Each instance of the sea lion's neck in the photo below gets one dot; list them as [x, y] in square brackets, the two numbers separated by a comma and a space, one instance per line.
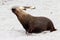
[22, 16]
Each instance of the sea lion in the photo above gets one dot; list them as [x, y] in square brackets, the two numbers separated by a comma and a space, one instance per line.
[31, 23]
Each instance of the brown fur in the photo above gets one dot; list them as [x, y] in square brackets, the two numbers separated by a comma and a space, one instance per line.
[33, 24]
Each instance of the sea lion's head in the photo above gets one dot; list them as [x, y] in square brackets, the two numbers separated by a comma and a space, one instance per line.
[18, 9]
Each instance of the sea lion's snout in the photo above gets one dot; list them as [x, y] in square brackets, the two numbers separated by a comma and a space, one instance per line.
[13, 9]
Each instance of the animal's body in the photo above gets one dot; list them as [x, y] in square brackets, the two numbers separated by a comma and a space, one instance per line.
[33, 24]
